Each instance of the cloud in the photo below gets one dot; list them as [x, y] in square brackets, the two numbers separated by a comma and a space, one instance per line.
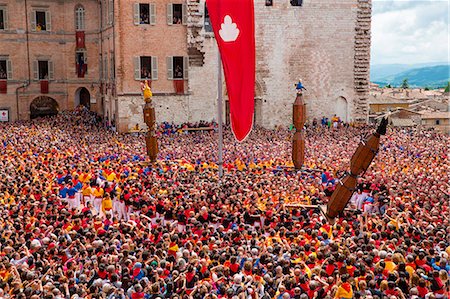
[410, 32]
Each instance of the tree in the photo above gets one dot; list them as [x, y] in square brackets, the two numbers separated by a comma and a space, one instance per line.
[405, 84]
[388, 86]
[426, 88]
[447, 88]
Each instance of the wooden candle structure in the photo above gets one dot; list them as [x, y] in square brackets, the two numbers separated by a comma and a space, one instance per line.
[359, 163]
[150, 119]
[298, 142]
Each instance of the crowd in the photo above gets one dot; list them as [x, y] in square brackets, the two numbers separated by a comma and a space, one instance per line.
[171, 128]
[84, 215]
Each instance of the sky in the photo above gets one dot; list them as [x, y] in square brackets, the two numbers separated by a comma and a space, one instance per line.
[410, 31]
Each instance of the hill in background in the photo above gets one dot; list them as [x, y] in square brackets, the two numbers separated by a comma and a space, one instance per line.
[433, 76]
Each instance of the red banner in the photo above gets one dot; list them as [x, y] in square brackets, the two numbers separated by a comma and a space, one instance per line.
[79, 35]
[234, 27]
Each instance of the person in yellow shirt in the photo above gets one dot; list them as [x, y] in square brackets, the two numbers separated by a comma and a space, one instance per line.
[98, 193]
[87, 195]
[345, 290]
[107, 205]
[111, 177]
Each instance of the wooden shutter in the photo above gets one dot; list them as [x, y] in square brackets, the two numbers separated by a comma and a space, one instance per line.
[169, 64]
[152, 14]
[9, 70]
[111, 11]
[51, 71]
[154, 68]
[136, 14]
[77, 20]
[5, 18]
[137, 68]
[36, 70]
[185, 67]
[48, 21]
[169, 14]
[184, 15]
[33, 20]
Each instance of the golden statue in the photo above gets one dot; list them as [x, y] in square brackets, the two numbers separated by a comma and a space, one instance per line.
[147, 92]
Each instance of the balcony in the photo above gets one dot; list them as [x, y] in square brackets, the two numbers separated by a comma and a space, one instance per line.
[79, 35]
[3, 86]
[178, 86]
[44, 86]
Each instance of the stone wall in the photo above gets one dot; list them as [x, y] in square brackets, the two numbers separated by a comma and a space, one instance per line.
[362, 59]
[171, 108]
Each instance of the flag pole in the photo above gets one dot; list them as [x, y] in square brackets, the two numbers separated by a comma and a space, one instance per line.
[219, 111]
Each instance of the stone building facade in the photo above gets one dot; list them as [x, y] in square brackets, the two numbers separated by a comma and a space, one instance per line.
[326, 43]
[38, 42]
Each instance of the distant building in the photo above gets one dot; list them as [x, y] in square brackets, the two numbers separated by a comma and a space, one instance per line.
[437, 120]
[402, 118]
[405, 105]
[56, 55]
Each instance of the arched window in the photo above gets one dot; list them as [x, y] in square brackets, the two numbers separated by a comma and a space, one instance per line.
[79, 18]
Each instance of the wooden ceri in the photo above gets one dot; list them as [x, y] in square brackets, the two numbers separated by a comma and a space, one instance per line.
[298, 142]
[359, 163]
[150, 120]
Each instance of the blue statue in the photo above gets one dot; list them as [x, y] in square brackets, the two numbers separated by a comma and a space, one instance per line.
[299, 86]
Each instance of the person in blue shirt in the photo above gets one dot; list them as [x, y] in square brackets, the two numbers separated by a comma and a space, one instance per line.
[63, 191]
[299, 86]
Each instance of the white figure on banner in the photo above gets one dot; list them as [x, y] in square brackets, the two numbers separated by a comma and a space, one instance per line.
[229, 31]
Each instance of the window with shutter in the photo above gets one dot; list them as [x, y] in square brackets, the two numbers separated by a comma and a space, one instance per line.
[51, 70]
[33, 21]
[137, 68]
[154, 68]
[184, 14]
[9, 69]
[48, 18]
[169, 64]
[152, 14]
[41, 21]
[170, 14]
[136, 18]
[36, 70]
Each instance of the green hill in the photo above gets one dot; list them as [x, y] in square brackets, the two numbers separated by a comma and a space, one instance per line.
[433, 77]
